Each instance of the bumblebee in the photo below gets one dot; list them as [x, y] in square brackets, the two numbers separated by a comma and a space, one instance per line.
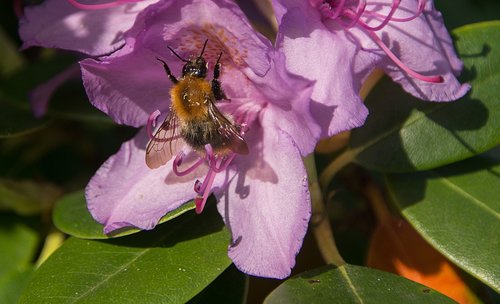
[194, 119]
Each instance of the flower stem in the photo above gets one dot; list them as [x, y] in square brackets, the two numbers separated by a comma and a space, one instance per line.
[320, 221]
[335, 166]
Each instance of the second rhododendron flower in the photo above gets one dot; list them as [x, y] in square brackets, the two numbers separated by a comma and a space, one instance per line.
[262, 195]
[338, 43]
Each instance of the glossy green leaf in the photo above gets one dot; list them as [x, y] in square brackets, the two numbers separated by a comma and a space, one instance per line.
[27, 197]
[456, 209]
[18, 244]
[403, 133]
[353, 284]
[170, 264]
[13, 284]
[71, 216]
[461, 12]
[230, 287]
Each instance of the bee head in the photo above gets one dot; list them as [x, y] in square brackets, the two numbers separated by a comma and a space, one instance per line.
[196, 67]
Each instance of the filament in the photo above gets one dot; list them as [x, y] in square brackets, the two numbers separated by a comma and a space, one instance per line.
[337, 10]
[151, 124]
[433, 79]
[100, 6]
[178, 161]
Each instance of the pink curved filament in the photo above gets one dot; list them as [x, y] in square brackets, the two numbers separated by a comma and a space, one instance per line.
[204, 191]
[359, 11]
[433, 79]
[99, 6]
[394, 7]
[178, 162]
[151, 124]
[421, 6]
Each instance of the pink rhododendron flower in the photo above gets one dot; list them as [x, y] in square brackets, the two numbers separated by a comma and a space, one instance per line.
[75, 25]
[263, 196]
[338, 43]
[92, 27]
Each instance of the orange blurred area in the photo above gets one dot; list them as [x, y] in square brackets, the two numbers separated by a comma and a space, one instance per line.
[396, 247]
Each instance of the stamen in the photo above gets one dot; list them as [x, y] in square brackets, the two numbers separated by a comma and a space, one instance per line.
[225, 161]
[433, 79]
[359, 11]
[330, 10]
[178, 162]
[338, 9]
[421, 6]
[151, 124]
[394, 7]
[100, 6]
[204, 192]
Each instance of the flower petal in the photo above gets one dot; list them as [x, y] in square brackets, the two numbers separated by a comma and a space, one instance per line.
[423, 45]
[58, 24]
[289, 96]
[267, 206]
[124, 192]
[127, 86]
[185, 26]
[320, 55]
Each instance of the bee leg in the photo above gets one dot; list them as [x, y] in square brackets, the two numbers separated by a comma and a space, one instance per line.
[167, 70]
[216, 85]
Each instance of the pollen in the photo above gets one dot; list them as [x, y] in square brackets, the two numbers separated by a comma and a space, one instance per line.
[221, 40]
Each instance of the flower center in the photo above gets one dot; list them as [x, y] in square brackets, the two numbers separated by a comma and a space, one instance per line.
[350, 13]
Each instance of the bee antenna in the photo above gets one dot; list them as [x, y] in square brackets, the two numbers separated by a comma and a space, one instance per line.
[177, 55]
[203, 49]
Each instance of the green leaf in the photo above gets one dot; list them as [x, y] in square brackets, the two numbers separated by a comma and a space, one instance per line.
[13, 284]
[27, 197]
[477, 11]
[456, 209]
[352, 284]
[230, 287]
[71, 216]
[10, 59]
[171, 264]
[403, 133]
[18, 244]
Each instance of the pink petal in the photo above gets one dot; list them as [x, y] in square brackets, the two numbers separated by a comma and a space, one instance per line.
[124, 192]
[289, 110]
[58, 24]
[185, 26]
[425, 46]
[267, 206]
[127, 86]
[325, 57]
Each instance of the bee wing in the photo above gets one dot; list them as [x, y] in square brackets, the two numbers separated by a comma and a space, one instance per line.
[166, 143]
[228, 130]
